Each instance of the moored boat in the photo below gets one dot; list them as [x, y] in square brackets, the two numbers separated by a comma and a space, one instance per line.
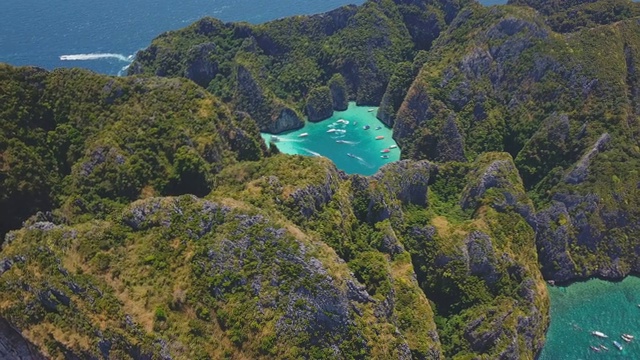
[379, 137]
[604, 347]
[371, 110]
[626, 338]
[384, 156]
[331, 130]
[393, 146]
[378, 127]
[303, 135]
[366, 127]
[617, 344]
[385, 150]
[599, 334]
[629, 336]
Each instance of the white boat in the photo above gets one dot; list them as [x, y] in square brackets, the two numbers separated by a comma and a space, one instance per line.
[303, 135]
[371, 110]
[599, 334]
[617, 344]
[393, 146]
[604, 347]
[594, 348]
[626, 338]
[629, 336]
[331, 130]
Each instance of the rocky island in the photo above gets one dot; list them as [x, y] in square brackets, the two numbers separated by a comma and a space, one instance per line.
[143, 217]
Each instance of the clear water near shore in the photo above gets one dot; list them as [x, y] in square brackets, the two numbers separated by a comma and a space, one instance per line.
[335, 139]
[594, 305]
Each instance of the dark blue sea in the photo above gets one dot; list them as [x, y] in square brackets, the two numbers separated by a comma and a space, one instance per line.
[103, 35]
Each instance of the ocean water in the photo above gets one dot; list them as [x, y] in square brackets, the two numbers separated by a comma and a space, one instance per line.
[350, 138]
[104, 35]
[594, 305]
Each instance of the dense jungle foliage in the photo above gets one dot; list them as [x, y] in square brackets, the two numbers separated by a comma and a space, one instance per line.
[145, 217]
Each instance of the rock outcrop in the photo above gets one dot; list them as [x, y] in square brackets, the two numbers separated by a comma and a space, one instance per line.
[319, 104]
[339, 94]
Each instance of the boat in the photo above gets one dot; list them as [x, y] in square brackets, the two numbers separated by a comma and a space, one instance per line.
[371, 110]
[379, 137]
[385, 151]
[384, 156]
[594, 348]
[604, 347]
[393, 146]
[625, 338]
[274, 138]
[341, 141]
[378, 127]
[341, 121]
[629, 336]
[617, 344]
[366, 127]
[303, 135]
[331, 130]
[351, 155]
[599, 334]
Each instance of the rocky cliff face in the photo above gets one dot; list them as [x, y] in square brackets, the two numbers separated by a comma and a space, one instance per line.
[14, 347]
[319, 104]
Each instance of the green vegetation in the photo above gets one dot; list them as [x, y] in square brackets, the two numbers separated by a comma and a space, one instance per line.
[522, 158]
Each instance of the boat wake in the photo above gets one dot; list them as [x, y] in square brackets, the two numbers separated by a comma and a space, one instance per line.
[311, 152]
[96, 56]
[347, 142]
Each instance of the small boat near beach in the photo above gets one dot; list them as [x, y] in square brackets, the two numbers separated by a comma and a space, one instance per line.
[378, 127]
[371, 110]
[274, 138]
[599, 334]
[379, 137]
[617, 344]
[303, 135]
[393, 146]
[385, 150]
[366, 127]
[384, 156]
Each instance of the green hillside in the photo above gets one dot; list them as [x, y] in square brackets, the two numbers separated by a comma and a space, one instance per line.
[145, 217]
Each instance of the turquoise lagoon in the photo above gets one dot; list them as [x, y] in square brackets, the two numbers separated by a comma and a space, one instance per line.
[594, 305]
[344, 138]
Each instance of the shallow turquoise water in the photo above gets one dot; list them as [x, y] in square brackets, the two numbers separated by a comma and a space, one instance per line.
[348, 138]
[578, 309]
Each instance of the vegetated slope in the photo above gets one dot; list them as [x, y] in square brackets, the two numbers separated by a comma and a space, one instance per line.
[564, 106]
[269, 70]
[90, 143]
[525, 164]
[331, 266]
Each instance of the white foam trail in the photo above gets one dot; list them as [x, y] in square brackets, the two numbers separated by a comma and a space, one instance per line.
[96, 56]
[347, 142]
[311, 152]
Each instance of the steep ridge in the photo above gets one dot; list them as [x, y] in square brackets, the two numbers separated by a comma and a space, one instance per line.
[522, 158]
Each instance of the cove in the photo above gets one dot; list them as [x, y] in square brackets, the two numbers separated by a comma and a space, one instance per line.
[343, 139]
[594, 305]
